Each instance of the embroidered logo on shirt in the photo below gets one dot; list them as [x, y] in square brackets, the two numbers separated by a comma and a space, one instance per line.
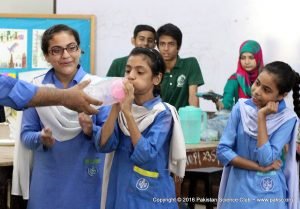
[142, 184]
[92, 171]
[267, 184]
[181, 80]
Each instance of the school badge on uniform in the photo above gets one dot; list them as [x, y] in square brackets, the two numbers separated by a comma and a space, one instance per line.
[267, 184]
[142, 184]
[91, 165]
[92, 171]
[180, 80]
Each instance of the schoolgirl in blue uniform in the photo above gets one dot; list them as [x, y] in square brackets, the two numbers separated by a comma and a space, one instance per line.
[67, 169]
[139, 131]
[252, 144]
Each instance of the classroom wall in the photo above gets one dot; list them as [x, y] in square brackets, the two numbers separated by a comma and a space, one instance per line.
[27, 6]
[212, 30]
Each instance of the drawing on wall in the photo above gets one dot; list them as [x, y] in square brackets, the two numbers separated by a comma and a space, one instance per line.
[38, 59]
[13, 45]
[21, 39]
[13, 75]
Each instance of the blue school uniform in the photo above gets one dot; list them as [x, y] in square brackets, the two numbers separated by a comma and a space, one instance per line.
[69, 174]
[251, 189]
[15, 93]
[139, 176]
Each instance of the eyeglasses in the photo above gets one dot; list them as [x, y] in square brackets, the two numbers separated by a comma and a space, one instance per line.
[59, 51]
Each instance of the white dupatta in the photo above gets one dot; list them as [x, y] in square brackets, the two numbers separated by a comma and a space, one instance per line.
[64, 125]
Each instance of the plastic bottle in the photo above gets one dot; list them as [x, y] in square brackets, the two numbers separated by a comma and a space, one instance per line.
[109, 90]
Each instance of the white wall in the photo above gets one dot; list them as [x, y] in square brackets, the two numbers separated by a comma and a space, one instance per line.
[212, 30]
[27, 6]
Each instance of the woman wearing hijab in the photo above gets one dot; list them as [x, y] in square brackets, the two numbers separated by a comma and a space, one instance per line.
[239, 84]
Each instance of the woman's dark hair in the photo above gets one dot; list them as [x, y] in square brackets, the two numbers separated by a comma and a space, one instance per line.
[50, 32]
[155, 62]
[286, 80]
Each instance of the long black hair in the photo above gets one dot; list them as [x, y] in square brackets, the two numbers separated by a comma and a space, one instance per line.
[286, 80]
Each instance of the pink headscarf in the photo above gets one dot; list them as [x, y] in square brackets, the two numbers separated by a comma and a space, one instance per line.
[244, 78]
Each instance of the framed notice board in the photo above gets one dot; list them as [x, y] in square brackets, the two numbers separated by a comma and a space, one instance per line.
[20, 40]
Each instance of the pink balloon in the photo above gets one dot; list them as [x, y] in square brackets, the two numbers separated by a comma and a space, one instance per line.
[117, 90]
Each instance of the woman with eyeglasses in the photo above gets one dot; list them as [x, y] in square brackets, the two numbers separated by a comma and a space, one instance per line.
[67, 169]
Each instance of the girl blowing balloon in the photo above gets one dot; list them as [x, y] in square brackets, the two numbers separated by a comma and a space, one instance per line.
[139, 132]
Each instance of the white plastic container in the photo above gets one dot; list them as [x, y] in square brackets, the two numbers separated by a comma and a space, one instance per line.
[109, 90]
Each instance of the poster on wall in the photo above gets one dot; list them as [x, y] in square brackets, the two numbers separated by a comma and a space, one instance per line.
[13, 75]
[13, 48]
[38, 59]
[20, 40]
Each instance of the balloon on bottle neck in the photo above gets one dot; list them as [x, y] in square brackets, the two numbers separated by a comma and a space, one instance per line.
[117, 90]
